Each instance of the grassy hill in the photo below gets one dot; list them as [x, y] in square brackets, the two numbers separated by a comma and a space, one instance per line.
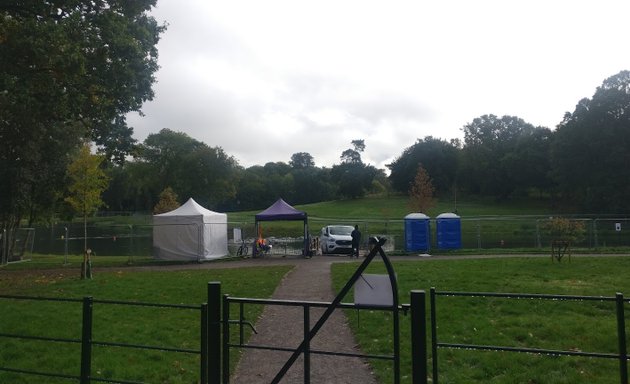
[486, 223]
[396, 207]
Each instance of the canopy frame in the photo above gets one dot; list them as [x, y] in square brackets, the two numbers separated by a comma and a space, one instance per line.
[282, 211]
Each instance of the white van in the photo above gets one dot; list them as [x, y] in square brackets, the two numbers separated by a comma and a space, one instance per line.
[336, 239]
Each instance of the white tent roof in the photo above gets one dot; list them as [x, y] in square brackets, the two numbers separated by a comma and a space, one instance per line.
[190, 208]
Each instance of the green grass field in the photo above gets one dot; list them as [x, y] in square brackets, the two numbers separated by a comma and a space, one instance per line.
[576, 326]
[150, 326]
[579, 326]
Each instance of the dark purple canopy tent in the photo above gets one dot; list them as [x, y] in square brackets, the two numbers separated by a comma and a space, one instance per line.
[280, 210]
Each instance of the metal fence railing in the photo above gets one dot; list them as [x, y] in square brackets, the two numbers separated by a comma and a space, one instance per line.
[215, 340]
[477, 233]
[618, 300]
[21, 246]
[86, 343]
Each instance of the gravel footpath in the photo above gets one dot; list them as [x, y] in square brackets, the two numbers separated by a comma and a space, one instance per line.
[282, 326]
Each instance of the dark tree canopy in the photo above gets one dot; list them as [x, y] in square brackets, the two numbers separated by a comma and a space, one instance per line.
[350, 156]
[69, 70]
[352, 177]
[82, 61]
[191, 168]
[353, 180]
[489, 142]
[301, 160]
[439, 158]
[591, 149]
[353, 155]
[530, 161]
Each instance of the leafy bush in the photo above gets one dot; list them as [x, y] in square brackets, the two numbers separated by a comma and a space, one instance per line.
[563, 233]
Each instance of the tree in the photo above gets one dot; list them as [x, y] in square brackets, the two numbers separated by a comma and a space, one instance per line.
[380, 184]
[358, 144]
[209, 175]
[421, 191]
[439, 158]
[530, 161]
[488, 142]
[190, 167]
[68, 70]
[82, 61]
[132, 187]
[563, 233]
[168, 201]
[591, 148]
[301, 160]
[353, 180]
[352, 176]
[251, 189]
[353, 155]
[87, 182]
[312, 185]
[166, 151]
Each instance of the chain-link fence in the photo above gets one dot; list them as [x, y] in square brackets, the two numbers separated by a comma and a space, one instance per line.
[16, 245]
[477, 233]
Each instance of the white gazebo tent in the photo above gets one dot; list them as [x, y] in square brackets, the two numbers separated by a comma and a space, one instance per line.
[190, 232]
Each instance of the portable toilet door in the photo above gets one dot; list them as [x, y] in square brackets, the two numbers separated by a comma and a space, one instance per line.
[449, 231]
[417, 232]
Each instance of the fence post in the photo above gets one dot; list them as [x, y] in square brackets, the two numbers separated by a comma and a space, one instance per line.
[4, 258]
[621, 334]
[2, 251]
[130, 259]
[65, 246]
[86, 341]
[478, 234]
[214, 332]
[418, 337]
[307, 346]
[226, 339]
[595, 239]
[434, 339]
[204, 344]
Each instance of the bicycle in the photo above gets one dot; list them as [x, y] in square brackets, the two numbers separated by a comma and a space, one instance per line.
[243, 250]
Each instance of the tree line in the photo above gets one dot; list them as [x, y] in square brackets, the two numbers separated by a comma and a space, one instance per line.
[190, 168]
[581, 166]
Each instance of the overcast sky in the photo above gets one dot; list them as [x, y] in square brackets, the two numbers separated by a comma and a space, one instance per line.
[266, 79]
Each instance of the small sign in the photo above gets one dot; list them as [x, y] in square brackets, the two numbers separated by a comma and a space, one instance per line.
[373, 290]
[618, 227]
[237, 235]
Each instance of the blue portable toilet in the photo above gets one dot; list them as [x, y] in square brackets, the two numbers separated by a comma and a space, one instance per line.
[449, 231]
[417, 232]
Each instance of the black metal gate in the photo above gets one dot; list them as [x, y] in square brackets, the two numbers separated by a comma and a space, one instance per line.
[304, 348]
